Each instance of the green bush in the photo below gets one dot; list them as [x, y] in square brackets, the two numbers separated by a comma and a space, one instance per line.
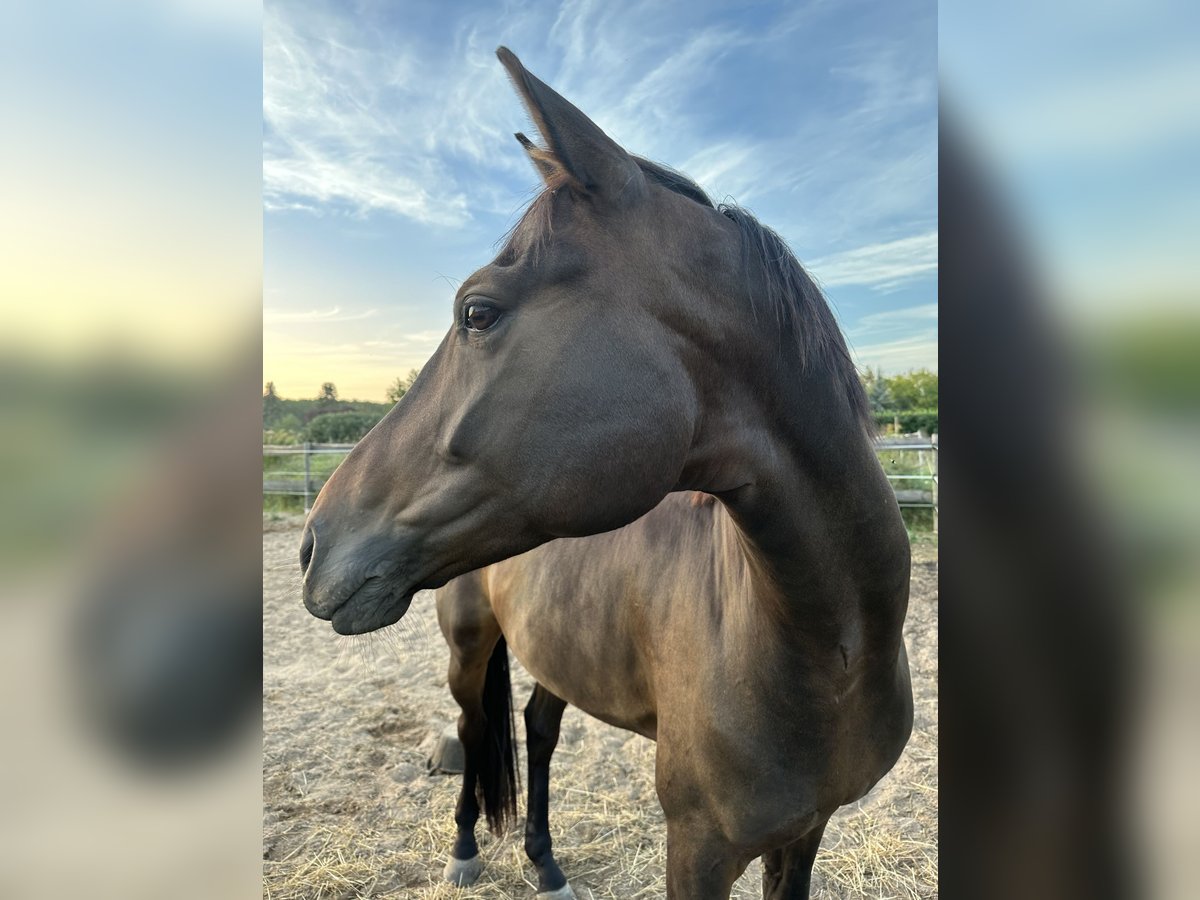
[340, 427]
[279, 436]
[911, 420]
[289, 422]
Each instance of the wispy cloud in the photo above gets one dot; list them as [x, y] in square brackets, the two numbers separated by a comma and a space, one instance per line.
[360, 119]
[368, 119]
[884, 266]
[903, 316]
[916, 351]
[406, 342]
[331, 133]
[361, 185]
[896, 339]
[727, 169]
[273, 315]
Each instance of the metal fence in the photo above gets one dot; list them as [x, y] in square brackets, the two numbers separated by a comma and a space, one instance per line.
[300, 480]
[918, 489]
[315, 463]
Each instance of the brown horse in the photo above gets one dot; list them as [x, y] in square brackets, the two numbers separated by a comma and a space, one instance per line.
[630, 341]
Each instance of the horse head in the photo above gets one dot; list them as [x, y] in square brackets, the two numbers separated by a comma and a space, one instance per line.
[574, 389]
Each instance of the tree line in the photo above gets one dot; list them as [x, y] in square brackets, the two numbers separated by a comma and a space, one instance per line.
[906, 403]
[908, 400]
[326, 418]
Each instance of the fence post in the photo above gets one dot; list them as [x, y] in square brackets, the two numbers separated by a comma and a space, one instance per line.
[308, 481]
[933, 439]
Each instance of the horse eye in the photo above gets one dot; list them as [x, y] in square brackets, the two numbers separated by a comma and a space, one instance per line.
[480, 317]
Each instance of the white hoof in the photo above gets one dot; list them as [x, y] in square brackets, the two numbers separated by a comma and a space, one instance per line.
[463, 872]
[563, 893]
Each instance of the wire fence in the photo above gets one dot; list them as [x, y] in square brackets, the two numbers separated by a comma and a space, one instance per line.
[301, 470]
[910, 462]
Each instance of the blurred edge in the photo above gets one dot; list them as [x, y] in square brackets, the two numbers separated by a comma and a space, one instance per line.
[1070, 349]
[130, 272]
[1037, 650]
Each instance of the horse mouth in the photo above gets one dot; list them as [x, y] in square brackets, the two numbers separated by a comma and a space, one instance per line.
[372, 606]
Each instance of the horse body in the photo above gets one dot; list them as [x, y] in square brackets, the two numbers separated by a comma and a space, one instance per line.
[632, 340]
[677, 647]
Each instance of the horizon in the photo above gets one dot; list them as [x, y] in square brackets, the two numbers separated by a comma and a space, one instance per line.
[384, 399]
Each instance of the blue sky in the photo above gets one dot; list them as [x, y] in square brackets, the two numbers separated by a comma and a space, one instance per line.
[390, 170]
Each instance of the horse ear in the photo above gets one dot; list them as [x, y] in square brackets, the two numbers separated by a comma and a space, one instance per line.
[593, 162]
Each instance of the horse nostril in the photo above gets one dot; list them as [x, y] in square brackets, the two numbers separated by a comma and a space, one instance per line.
[306, 549]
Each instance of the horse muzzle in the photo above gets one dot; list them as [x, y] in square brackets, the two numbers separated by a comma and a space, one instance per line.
[356, 589]
[373, 606]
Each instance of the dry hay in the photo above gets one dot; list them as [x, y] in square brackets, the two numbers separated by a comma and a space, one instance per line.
[350, 812]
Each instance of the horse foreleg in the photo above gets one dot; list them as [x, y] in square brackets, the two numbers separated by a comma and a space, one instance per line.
[701, 863]
[466, 684]
[543, 715]
[471, 632]
[787, 871]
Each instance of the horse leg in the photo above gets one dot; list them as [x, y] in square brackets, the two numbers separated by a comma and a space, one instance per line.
[543, 714]
[466, 684]
[701, 863]
[787, 870]
[472, 633]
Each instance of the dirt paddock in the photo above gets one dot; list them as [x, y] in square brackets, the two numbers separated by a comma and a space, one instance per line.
[349, 810]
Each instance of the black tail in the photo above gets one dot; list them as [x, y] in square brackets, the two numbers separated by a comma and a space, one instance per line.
[497, 784]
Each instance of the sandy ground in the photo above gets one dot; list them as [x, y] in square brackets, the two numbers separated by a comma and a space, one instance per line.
[350, 811]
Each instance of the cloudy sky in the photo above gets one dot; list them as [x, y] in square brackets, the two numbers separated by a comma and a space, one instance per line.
[390, 170]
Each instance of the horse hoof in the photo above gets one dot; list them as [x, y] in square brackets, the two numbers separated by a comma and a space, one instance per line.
[563, 893]
[463, 872]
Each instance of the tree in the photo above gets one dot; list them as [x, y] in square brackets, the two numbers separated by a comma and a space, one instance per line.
[271, 405]
[328, 393]
[914, 390]
[340, 427]
[879, 394]
[402, 386]
[396, 390]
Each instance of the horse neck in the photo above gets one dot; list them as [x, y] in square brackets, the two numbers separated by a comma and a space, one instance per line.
[814, 516]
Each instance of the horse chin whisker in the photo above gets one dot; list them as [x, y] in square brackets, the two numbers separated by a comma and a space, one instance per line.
[394, 640]
[409, 633]
[412, 631]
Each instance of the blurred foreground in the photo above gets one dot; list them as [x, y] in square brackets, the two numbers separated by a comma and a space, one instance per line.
[131, 659]
[130, 261]
[1070, 213]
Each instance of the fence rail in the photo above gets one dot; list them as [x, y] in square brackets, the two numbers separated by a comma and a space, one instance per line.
[926, 496]
[306, 483]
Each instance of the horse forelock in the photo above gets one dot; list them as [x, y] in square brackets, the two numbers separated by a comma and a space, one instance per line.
[532, 231]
